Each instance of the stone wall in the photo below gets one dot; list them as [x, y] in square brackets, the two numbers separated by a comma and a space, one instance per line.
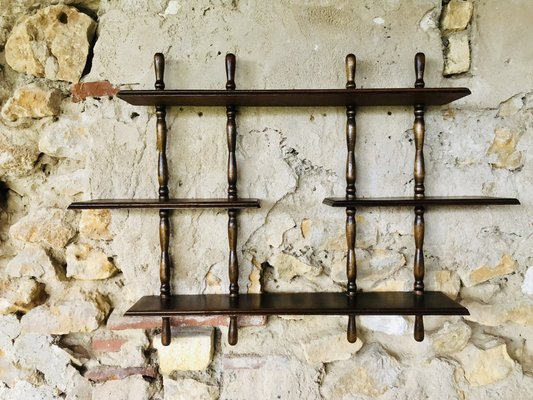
[66, 277]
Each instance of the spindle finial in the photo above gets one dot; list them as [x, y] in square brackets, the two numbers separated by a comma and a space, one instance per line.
[420, 63]
[350, 71]
[230, 71]
[159, 65]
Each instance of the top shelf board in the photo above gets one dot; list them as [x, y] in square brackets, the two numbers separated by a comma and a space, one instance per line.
[295, 97]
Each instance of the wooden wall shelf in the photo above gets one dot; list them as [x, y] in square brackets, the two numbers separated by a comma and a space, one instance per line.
[295, 97]
[364, 303]
[351, 303]
[424, 201]
[170, 204]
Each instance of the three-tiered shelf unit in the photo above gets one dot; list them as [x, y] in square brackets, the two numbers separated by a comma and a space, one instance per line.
[352, 302]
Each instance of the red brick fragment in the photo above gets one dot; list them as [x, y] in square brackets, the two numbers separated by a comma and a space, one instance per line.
[109, 345]
[80, 91]
[103, 374]
[119, 322]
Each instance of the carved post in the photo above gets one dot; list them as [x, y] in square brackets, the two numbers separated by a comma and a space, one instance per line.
[233, 262]
[162, 174]
[419, 175]
[351, 268]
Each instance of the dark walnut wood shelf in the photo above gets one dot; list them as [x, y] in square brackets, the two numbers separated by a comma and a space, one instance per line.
[363, 303]
[412, 202]
[295, 97]
[170, 204]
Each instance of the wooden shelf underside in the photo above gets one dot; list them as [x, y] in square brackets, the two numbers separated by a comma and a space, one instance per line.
[412, 202]
[364, 303]
[166, 205]
[295, 97]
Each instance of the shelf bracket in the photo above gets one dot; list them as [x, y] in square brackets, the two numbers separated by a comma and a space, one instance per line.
[419, 175]
[233, 262]
[164, 215]
[351, 267]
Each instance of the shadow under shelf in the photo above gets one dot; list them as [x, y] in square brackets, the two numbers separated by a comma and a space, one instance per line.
[413, 202]
[170, 204]
[317, 303]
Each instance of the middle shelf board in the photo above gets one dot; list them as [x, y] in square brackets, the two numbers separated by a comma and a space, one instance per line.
[412, 202]
[295, 97]
[329, 303]
[170, 204]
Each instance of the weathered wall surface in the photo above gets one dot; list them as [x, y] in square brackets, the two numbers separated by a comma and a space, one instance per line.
[66, 277]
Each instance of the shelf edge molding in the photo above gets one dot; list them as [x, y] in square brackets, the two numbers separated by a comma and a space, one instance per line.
[296, 97]
[170, 204]
[424, 201]
[315, 303]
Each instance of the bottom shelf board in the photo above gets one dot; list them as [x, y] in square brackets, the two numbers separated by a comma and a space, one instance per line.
[364, 303]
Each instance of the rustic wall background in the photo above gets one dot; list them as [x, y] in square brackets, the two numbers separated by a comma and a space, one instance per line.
[66, 277]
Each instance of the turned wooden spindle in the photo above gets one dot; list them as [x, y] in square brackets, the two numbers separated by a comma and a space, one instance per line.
[162, 172]
[419, 192]
[233, 262]
[351, 268]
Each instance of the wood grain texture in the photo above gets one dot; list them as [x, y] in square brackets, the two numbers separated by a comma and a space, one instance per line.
[295, 97]
[162, 175]
[316, 303]
[422, 202]
[419, 174]
[170, 204]
[233, 227]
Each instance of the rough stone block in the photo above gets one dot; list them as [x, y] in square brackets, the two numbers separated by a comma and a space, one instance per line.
[330, 348]
[87, 263]
[456, 15]
[94, 224]
[188, 389]
[51, 226]
[52, 43]
[456, 54]
[72, 315]
[487, 364]
[32, 101]
[191, 349]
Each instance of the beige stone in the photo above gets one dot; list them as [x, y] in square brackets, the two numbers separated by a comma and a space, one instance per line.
[511, 106]
[376, 372]
[504, 148]
[32, 101]
[188, 389]
[130, 388]
[306, 227]
[191, 349]
[484, 273]
[443, 281]
[69, 315]
[65, 140]
[451, 338]
[522, 315]
[50, 226]
[32, 261]
[483, 366]
[94, 224]
[330, 348]
[483, 292]
[87, 263]
[254, 279]
[18, 153]
[456, 54]
[288, 267]
[52, 43]
[456, 15]
[484, 314]
[20, 295]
